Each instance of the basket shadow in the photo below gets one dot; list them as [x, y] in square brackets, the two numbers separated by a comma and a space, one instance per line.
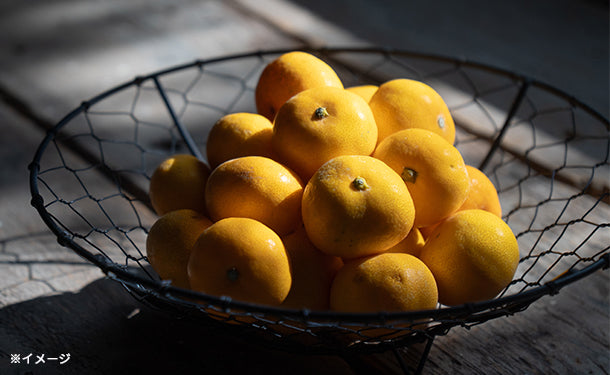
[105, 330]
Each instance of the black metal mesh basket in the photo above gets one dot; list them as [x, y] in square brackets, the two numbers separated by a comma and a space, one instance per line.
[546, 153]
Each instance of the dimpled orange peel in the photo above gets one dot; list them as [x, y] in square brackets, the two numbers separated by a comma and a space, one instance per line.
[473, 255]
[405, 103]
[288, 75]
[432, 169]
[355, 206]
[319, 124]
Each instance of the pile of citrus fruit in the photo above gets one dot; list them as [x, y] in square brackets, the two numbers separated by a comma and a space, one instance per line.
[352, 199]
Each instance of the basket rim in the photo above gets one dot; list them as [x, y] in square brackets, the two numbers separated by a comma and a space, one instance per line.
[122, 273]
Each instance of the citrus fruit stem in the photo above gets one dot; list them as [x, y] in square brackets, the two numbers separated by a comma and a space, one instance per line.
[409, 175]
[440, 120]
[321, 112]
[359, 183]
[232, 274]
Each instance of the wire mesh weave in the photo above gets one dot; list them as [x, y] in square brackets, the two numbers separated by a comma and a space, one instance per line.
[546, 153]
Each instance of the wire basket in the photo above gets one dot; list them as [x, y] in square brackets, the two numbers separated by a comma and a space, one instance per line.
[546, 153]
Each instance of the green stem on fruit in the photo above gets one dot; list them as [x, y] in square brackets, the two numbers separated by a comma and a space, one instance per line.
[321, 112]
[409, 175]
[440, 121]
[232, 274]
[360, 184]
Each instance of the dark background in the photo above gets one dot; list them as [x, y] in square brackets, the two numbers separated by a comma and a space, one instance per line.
[561, 42]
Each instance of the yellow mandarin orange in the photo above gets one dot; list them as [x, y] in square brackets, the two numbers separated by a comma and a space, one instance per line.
[288, 75]
[179, 182]
[383, 282]
[255, 187]
[365, 91]
[239, 134]
[312, 273]
[404, 103]
[433, 170]
[473, 256]
[412, 244]
[318, 124]
[427, 230]
[355, 206]
[169, 243]
[243, 259]
[483, 193]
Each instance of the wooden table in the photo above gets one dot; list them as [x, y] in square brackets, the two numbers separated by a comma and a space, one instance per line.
[53, 302]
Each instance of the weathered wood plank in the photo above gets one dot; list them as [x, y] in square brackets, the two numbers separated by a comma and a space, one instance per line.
[53, 302]
[106, 331]
[561, 334]
[32, 263]
[72, 51]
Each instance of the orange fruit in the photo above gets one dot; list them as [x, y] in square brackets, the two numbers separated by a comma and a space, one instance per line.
[383, 282]
[288, 75]
[473, 255]
[426, 231]
[258, 188]
[355, 206]
[412, 244]
[179, 182]
[312, 273]
[243, 259]
[404, 103]
[318, 124]
[239, 134]
[169, 243]
[365, 91]
[483, 194]
[433, 170]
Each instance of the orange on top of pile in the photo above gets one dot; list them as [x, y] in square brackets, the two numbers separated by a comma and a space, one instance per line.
[350, 199]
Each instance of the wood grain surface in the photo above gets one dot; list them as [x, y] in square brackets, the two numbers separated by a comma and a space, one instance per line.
[53, 302]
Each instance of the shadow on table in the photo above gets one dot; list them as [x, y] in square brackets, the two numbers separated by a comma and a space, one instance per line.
[105, 330]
